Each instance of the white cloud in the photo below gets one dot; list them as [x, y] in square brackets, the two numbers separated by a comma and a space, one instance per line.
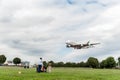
[39, 28]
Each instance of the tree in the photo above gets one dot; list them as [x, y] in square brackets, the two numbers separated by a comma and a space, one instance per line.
[60, 64]
[93, 62]
[2, 59]
[82, 64]
[110, 62]
[16, 60]
[119, 61]
[68, 64]
[103, 64]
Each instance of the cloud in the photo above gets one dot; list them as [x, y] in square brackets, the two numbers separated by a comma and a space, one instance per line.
[39, 28]
[70, 1]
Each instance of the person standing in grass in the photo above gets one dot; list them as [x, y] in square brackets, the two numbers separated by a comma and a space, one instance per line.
[40, 65]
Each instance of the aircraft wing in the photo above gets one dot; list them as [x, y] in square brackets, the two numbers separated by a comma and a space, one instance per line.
[71, 43]
[94, 43]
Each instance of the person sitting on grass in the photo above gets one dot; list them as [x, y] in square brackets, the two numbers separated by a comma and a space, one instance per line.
[49, 67]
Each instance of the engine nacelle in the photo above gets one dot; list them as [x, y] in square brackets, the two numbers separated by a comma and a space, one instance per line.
[68, 46]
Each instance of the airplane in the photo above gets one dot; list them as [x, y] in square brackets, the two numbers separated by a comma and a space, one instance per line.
[74, 45]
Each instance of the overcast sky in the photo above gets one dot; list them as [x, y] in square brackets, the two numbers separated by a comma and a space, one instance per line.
[30, 29]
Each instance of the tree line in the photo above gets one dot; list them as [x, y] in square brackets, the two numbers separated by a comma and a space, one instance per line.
[92, 62]
[3, 58]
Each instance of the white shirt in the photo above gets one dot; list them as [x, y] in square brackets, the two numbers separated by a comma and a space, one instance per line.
[40, 62]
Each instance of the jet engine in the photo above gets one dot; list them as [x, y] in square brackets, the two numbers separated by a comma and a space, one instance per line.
[68, 46]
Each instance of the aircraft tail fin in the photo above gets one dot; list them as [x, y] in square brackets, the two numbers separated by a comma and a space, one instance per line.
[88, 42]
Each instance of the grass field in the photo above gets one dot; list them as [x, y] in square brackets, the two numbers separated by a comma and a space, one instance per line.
[11, 73]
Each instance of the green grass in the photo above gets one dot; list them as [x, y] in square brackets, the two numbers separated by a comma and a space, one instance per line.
[11, 73]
